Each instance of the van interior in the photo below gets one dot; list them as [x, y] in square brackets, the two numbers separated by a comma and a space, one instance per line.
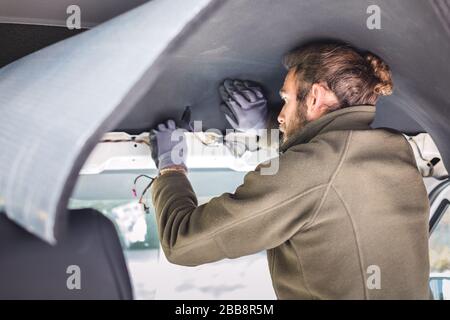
[62, 108]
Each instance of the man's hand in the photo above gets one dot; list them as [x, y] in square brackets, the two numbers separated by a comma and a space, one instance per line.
[168, 146]
[244, 105]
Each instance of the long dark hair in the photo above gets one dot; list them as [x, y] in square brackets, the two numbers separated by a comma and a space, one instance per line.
[355, 77]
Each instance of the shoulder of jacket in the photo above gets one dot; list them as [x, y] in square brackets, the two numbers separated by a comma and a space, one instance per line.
[330, 141]
[320, 156]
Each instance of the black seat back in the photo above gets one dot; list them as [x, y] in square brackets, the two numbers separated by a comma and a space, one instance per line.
[87, 254]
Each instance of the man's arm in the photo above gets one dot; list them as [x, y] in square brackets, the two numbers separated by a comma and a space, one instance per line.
[264, 212]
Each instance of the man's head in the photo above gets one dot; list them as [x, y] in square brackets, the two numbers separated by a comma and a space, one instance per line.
[324, 77]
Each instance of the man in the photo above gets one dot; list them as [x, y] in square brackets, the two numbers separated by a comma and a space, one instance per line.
[345, 216]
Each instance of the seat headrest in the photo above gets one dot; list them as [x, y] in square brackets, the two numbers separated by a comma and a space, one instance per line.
[89, 249]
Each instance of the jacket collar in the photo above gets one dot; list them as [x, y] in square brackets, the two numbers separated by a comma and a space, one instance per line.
[350, 118]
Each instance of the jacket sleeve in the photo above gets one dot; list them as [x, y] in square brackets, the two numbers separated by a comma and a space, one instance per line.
[263, 212]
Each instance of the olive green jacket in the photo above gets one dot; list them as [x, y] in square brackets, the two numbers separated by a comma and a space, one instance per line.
[345, 216]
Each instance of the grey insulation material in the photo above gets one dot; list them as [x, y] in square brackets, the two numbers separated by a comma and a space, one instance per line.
[57, 102]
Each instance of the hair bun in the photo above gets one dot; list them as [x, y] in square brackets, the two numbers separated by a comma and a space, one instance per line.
[382, 72]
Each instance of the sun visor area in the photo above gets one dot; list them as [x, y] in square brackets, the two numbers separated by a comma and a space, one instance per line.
[56, 103]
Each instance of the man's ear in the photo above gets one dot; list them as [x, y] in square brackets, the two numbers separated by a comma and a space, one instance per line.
[317, 100]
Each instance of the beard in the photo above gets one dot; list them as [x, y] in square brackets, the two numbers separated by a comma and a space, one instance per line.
[296, 124]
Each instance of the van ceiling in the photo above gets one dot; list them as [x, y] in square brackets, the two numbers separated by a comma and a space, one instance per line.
[246, 39]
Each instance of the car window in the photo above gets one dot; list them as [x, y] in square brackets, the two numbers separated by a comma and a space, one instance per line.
[152, 276]
[137, 232]
[440, 248]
